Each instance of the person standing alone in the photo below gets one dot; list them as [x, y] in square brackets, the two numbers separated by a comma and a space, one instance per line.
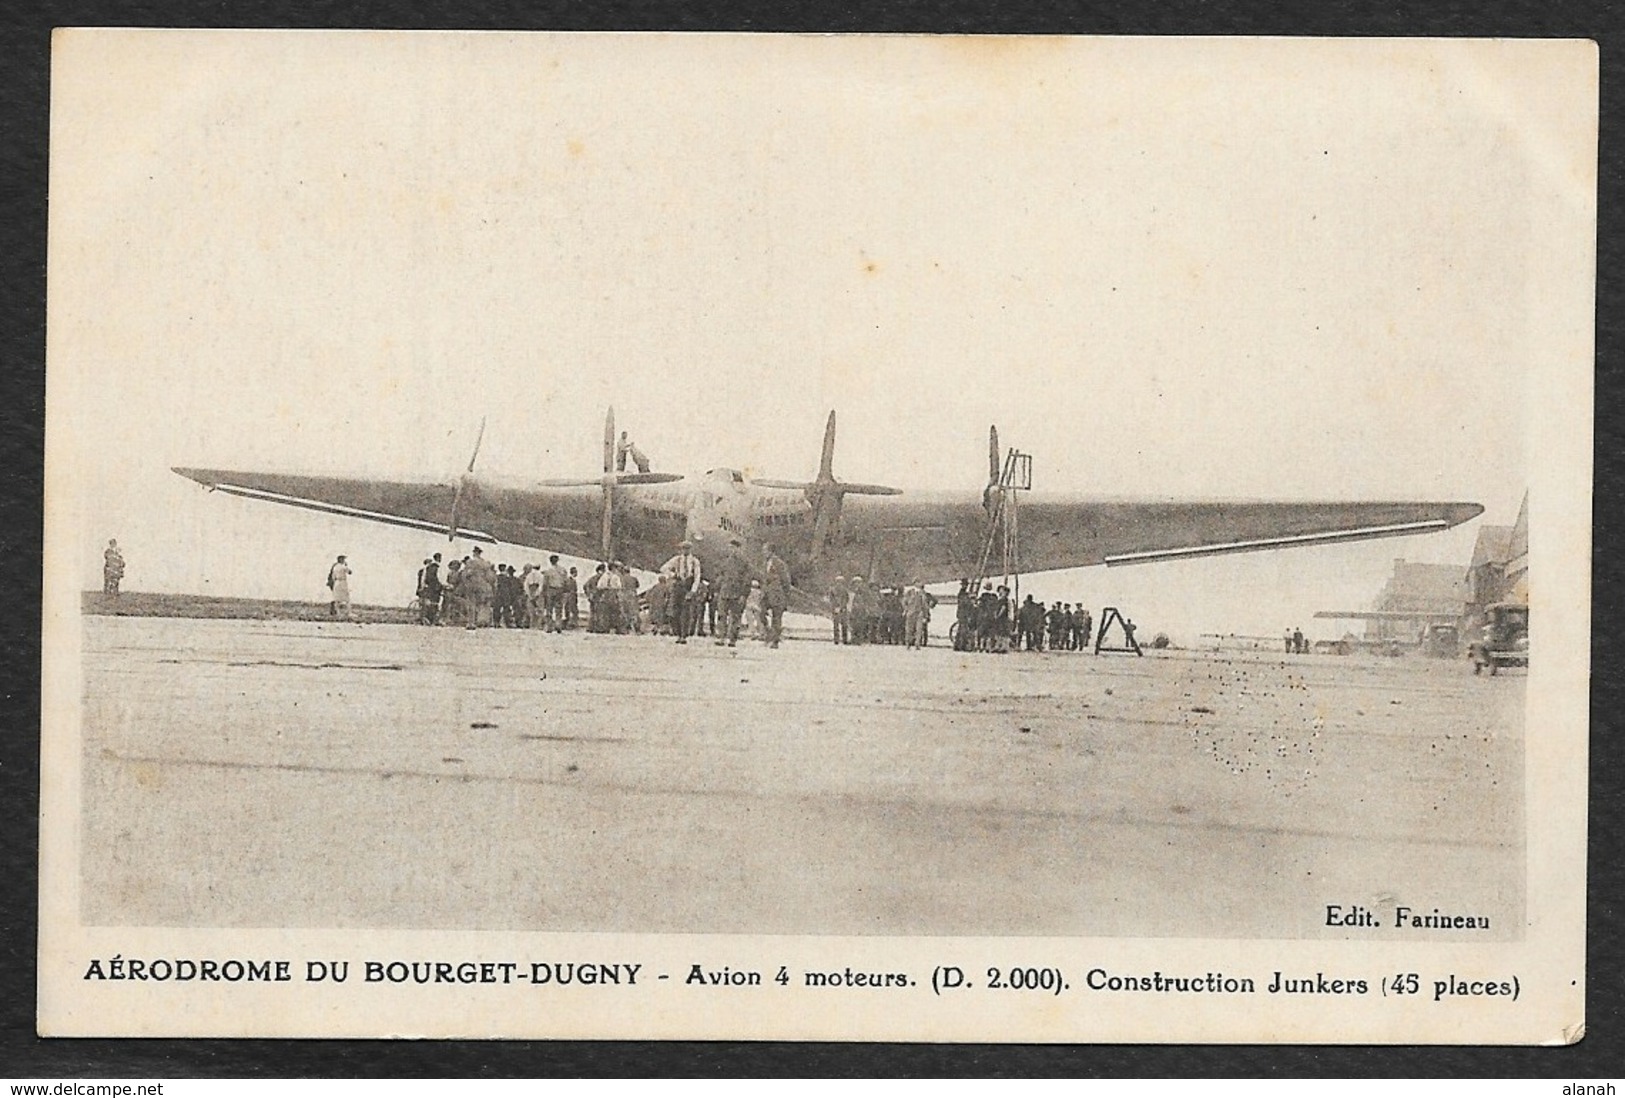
[112, 568]
[338, 582]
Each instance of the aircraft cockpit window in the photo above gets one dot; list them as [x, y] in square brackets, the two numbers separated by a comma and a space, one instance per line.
[738, 477]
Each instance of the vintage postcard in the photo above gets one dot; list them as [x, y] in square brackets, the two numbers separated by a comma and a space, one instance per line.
[751, 536]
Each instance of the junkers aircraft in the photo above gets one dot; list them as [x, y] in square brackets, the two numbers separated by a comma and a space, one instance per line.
[825, 526]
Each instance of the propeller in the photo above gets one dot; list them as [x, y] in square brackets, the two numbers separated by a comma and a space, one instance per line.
[993, 471]
[464, 483]
[826, 493]
[609, 484]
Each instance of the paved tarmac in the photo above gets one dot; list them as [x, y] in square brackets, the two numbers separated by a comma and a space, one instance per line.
[243, 773]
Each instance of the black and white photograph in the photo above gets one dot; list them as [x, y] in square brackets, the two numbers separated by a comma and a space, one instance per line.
[835, 537]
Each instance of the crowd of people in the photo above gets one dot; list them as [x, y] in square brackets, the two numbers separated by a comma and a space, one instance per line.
[1061, 628]
[475, 594]
[984, 622]
[742, 598]
[861, 612]
[736, 597]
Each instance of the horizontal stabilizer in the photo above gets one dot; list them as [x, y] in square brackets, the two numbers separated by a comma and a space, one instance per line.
[611, 478]
[647, 478]
[843, 486]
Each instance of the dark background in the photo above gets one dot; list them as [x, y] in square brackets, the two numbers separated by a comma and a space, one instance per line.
[24, 97]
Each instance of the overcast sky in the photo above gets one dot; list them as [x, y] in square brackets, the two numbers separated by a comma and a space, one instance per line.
[1166, 269]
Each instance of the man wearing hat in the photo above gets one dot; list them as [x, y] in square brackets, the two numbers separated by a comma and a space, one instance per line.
[479, 584]
[432, 588]
[631, 619]
[423, 601]
[684, 570]
[839, 596]
[916, 612]
[555, 580]
[775, 593]
[733, 587]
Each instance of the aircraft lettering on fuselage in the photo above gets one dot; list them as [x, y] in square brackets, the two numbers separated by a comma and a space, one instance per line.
[826, 527]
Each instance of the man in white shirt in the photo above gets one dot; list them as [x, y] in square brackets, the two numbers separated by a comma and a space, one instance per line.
[628, 447]
[684, 570]
[609, 600]
[530, 581]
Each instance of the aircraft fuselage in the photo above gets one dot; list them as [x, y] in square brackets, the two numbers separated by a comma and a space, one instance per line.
[716, 510]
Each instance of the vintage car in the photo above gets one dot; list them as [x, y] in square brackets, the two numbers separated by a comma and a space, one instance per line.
[1441, 641]
[1505, 639]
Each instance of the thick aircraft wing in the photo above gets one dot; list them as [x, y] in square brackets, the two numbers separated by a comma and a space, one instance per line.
[563, 519]
[939, 537]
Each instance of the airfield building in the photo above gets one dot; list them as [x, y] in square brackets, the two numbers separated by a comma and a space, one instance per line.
[1427, 590]
[1499, 571]
[1486, 572]
[1517, 569]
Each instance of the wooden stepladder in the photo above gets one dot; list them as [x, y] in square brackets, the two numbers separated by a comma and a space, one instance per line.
[1003, 529]
[1107, 617]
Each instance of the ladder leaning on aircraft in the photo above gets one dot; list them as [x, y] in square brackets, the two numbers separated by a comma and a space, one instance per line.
[999, 500]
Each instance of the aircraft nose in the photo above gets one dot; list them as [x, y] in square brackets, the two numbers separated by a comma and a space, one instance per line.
[1458, 513]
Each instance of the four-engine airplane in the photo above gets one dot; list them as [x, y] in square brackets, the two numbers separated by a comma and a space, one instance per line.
[826, 527]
